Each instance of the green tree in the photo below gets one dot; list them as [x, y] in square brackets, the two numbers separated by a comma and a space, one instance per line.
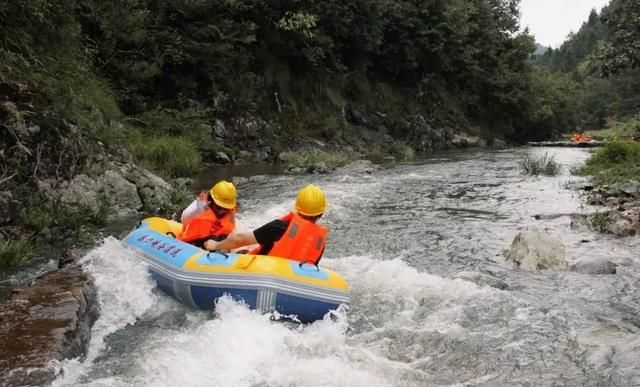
[622, 47]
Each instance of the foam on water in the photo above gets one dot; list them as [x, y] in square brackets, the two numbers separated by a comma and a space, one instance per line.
[124, 295]
[409, 323]
[240, 347]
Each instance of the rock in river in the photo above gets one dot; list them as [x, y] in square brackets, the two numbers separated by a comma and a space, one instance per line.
[49, 320]
[534, 249]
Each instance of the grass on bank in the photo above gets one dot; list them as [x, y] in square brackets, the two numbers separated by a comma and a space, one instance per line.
[539, 164]
[613, 163]
[620, 130]
[38, 215]
[51, 224]
[15, 253]
[399, 150]
[169, 156]
[402, 151]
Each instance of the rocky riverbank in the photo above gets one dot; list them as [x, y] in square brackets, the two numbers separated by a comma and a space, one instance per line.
[48, 321]
[252, 139]
[620, 209]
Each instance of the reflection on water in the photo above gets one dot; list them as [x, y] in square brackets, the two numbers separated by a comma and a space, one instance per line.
[421, 246]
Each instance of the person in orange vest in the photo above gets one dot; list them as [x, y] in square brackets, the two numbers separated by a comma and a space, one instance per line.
[211, 216]
[296, 235]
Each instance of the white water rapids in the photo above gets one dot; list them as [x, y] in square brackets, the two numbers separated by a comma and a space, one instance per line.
[401, 237]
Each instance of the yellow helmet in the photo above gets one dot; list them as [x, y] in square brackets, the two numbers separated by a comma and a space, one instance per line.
[224, 194]
[311, 201]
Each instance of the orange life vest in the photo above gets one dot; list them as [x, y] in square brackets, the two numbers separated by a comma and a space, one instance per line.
[302, 241]
[207, 225]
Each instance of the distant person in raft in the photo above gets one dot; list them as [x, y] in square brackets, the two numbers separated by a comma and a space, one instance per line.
[295, 236]
[212, 216]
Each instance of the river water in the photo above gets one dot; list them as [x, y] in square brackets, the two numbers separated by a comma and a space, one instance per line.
[433, 301]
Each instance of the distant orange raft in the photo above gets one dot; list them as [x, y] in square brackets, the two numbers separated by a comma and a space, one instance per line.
[577, 137]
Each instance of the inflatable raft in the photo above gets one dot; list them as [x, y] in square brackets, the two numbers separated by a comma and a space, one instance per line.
[197, 277]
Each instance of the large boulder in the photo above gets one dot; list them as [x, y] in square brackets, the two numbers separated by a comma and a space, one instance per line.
[245, 155]
[618, 223]
[221, 157]
[423, 136]
[595, 266]
[120, 194]
[110, 188]
[631, 188]
[535, 249]
[46, 322]
[319, 167]
[82, 190]
[126, 189]
[462, 140]
[247, 128]
[154, 191]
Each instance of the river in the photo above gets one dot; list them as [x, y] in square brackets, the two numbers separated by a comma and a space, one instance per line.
[405, 238]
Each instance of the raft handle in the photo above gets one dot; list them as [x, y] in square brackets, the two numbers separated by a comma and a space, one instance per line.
[226, 256]
[310, 262]
[171, 234]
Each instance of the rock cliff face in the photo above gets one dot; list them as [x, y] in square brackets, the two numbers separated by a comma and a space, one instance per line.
[124, 188]
[364, 130]
[49, 320]
[422, 133]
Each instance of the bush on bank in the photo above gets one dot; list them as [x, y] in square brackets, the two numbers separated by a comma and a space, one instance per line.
[613, 163]
[620, 130]
[539, 164]
[50, 227]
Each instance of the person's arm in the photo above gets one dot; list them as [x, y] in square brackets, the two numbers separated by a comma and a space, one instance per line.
[196, 207]
[266, 236]
[233, 241]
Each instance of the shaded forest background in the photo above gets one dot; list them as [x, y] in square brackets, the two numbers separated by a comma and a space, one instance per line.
[155, 76]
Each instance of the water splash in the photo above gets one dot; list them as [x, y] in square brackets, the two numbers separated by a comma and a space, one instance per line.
[125, 293]
[400, 238]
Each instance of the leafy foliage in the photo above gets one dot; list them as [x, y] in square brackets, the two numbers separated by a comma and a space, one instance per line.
[606, 45]
[622, 48]
[177, 65]
[307, 57]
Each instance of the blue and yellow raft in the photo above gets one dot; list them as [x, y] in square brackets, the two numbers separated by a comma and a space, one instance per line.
[198, 278]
